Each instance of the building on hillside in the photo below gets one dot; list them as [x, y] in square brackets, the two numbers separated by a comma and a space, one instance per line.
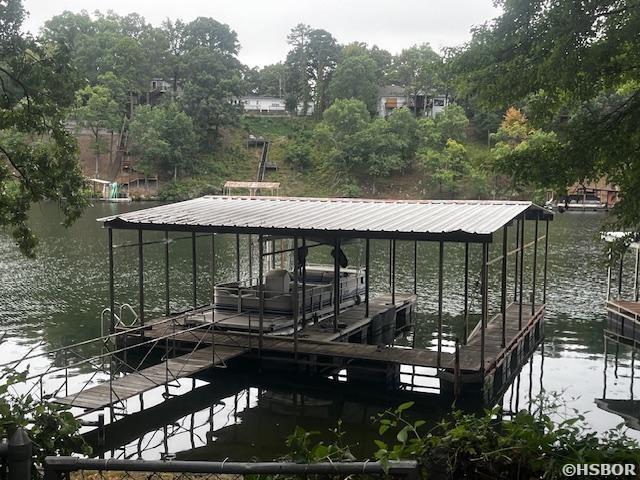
[391, 97]
[262, 104]
[585, 196]
[268, 105]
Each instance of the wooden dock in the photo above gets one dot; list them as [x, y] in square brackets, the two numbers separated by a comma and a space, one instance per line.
[362, 346]
[135, 383]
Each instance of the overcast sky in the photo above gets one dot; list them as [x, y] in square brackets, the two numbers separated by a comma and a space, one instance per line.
[262, 25]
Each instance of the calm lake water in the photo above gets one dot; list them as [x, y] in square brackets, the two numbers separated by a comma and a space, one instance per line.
[56, 299]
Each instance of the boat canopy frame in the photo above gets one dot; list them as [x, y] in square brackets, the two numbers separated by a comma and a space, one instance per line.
[175, 220]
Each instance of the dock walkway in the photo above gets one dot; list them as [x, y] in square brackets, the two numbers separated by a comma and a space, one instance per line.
[349, 347]
[135, 383]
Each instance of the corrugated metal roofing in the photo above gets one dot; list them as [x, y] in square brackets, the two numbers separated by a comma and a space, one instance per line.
[348, 217]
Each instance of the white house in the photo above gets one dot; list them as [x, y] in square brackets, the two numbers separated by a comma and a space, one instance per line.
[262, 104]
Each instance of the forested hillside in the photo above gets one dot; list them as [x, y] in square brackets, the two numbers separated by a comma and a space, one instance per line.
[164, 95]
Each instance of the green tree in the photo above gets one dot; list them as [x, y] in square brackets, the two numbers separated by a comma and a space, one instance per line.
[39, 156]
[297, 62]
[163, 139]
[417, 70]
[212, 79]
[97, 110]
[354, 144]
[573, 66]
[323, 58]
[355, 77]
[447, 167]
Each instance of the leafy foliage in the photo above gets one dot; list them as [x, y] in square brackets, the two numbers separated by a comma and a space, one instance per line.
[355, 77]
[52, 428]
[572, 67]
[39, 157]
[163, 138]
[530, 445]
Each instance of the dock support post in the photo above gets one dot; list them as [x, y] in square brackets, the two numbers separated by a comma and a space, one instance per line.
[260, 293]
[466, 292]
[250, 261]
[485, 302]
[167, 306]
[390, 264]
[415, 267]
[336, 283]
[112, 290]
[635, 276]
[194, 273]
[516, 263]
[296, 306]
[535, 269]
[367, 259]
[237, 257]
[440, 279]
[522, 222]
[304, 284]
[546, 254]
[620, 275]
[141, 277]
[213, 268]
[393, 271]
[503, 292]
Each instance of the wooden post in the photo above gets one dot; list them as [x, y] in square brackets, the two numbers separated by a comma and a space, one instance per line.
[141, 276]
[440, 281]
[112, 290]
[503, 292]
[367, 259]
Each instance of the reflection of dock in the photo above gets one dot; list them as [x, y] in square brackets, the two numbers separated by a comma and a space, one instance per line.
[623, 322]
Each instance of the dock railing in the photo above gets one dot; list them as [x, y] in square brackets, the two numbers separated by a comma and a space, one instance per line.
[53, 373]
[59, 468]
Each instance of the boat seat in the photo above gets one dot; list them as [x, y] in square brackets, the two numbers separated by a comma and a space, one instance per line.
[276, 283]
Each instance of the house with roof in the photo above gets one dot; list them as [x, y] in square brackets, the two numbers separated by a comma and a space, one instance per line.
[392, 97]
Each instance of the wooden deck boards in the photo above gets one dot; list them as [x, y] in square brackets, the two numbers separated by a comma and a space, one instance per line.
[470, 353]
[314, 340]
[136, 383]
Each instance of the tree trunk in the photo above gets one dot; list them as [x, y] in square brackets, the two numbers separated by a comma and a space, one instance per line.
[111, 149]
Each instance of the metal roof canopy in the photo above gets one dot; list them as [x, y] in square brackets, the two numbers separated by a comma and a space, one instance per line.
[435, 220]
